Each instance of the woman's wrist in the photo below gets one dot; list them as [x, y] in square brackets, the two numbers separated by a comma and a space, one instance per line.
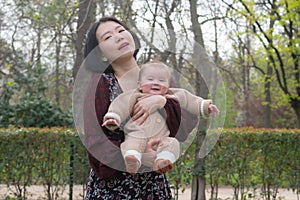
[162, 101]
[159, 102]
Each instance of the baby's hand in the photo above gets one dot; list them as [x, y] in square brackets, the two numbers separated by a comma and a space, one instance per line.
[213, 109]
[111, 123]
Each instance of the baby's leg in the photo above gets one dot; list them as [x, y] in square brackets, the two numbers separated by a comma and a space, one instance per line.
[131, 149]
[132, 161]
[168, 153]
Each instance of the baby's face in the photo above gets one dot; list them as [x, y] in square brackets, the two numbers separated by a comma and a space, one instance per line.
[154, 80]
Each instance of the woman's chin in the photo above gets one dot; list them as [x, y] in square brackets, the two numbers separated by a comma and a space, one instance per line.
[125, 55]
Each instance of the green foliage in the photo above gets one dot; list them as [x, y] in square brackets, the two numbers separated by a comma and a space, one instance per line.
[231, 113]
[43, 43]
[32, 111]
[41, 156]
[6, 110]
[247, 159]
[178, 176]
[276, 29]
[36, 112]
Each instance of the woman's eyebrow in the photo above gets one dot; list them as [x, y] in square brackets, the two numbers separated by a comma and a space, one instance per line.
[101, 37]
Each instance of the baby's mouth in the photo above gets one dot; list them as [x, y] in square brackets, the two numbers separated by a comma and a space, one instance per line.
[155, 88]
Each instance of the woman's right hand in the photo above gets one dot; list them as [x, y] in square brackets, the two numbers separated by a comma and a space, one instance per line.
[150, 152]
[145, 106]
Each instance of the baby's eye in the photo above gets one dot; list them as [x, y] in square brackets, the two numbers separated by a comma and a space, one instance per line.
[121, 30]
[150, 79]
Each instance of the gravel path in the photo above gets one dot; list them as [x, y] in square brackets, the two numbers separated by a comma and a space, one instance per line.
[226, 193]
[38, 193]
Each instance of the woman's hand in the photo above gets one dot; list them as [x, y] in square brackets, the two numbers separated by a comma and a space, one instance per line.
[145, 106]
[150, 152]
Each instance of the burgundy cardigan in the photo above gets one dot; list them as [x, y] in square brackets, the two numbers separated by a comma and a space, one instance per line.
[103, 146]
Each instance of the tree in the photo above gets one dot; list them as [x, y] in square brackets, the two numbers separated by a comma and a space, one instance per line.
[199, 183]
[280, 40]
[86, 16]
[29, 51]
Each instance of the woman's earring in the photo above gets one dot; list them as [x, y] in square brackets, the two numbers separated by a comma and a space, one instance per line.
[104, 59]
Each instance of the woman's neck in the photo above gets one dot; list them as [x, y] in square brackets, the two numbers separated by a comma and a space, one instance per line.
[122, 67]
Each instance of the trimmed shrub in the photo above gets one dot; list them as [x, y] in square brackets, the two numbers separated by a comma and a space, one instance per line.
[247, 159]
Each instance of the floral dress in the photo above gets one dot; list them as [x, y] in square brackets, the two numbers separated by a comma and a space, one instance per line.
[122, 185]
[148, 186]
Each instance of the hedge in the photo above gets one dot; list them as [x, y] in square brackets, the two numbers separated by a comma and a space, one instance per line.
[254, 162]
[251, 159]
[247, 159]
[50, 157]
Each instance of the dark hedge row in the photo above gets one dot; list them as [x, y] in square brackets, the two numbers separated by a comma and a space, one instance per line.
[247, 159]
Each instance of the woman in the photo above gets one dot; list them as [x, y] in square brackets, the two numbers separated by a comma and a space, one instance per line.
[110, 43]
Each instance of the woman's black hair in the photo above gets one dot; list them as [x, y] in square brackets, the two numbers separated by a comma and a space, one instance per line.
[92, 53]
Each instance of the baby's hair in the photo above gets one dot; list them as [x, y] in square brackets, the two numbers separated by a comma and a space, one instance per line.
[157, 64]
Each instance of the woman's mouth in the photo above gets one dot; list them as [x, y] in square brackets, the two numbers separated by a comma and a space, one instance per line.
[123, 45]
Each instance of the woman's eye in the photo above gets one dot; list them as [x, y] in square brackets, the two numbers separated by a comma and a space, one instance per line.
[107, 37]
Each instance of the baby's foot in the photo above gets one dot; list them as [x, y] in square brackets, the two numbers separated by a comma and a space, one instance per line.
[162, 166]
[132, 164]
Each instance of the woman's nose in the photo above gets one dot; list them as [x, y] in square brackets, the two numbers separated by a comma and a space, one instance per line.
[119, 38]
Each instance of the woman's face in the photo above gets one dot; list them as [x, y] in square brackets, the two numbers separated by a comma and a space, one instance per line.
[115, 41]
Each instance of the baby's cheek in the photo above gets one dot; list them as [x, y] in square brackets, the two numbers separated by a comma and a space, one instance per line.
[164, 89]
[146, 87]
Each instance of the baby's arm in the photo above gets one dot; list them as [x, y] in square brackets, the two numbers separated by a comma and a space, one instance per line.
[118, 110]
[111, 121]
[194, 104]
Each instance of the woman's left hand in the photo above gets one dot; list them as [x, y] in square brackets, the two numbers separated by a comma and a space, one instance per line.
[150, 152]
[145, 106]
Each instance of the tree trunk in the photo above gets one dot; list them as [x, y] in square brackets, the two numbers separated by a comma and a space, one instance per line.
[268, 80]
[86, 16]
[198, 184]
[267, 117]
[57, 66]
[295, 103]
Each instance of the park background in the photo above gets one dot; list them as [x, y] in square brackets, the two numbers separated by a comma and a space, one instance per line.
[254, 44]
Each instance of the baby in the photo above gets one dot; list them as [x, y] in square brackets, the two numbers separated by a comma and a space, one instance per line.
[153, 80]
